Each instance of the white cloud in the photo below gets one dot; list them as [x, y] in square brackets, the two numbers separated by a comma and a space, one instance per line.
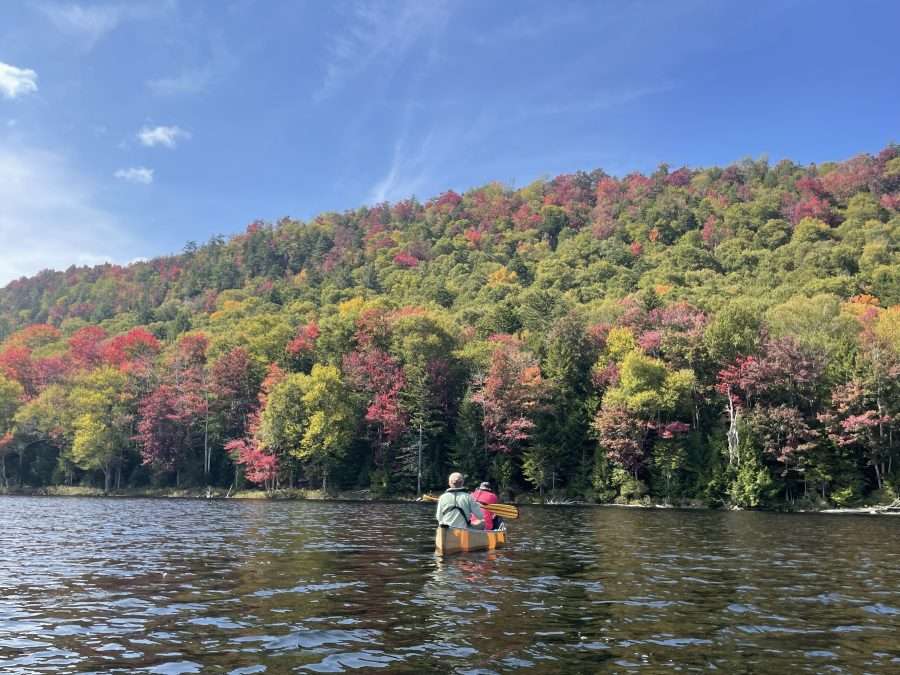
[15, 82]
[135, 174]
[90, 23]
[378, 31]
[49, 217]
[165, 136]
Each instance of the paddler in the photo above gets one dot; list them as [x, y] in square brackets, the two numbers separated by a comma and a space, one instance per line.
[456, 507]
[485, 496]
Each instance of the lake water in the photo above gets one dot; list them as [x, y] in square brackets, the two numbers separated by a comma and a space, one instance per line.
[180, 586]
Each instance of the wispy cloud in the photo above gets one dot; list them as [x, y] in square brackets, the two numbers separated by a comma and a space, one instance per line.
[376, 31]
[605, 101]
[15, 82]
[432, 154]
[50, 218]
[426, 151]
[408, 173]
[221, 60]
[90, 23]
[166, 136]
[527, 26]
[187, 82]
[135, 174]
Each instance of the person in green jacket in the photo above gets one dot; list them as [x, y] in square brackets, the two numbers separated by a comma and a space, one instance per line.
[456, 507]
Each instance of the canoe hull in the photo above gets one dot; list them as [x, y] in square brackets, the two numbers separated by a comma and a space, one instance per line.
[449, 540]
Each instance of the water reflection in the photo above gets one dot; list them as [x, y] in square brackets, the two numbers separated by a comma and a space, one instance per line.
[252, 587]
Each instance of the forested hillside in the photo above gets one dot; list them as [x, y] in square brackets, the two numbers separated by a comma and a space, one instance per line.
[730, 335]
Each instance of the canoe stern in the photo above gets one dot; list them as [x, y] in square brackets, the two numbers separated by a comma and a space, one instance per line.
[457, 540]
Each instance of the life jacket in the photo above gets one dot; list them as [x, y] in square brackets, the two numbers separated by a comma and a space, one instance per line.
[487, 497]
[484, 496]
[466, 516]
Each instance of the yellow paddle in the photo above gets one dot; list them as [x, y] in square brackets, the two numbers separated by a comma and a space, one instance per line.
[508, 511]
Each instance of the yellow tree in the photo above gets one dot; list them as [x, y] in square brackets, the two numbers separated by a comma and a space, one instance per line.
[332, 420]
[101, 410]
[311, 417]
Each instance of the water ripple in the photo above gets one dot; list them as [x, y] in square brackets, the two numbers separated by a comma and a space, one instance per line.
[185, 586]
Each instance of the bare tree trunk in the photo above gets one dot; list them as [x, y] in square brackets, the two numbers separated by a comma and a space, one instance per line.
[419, 465]
[206, 452]
[733, 434]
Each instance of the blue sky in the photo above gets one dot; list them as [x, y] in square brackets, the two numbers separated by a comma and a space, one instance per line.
[128, 128]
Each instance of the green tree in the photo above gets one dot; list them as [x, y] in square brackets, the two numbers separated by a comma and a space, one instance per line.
[11, 394]
[734, 331]
[425, 343]
[46, 419]
[563, 451]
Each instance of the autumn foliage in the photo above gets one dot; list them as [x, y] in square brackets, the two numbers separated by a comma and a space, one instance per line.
[725, 335]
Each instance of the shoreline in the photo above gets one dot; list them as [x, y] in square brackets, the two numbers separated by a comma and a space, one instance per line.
[301, 494]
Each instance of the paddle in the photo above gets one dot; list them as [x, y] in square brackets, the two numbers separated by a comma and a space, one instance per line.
[508, 511]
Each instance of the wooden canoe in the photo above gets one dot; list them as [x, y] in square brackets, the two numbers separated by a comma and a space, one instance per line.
[457, 540]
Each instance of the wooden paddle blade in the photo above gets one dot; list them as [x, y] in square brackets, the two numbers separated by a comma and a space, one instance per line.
[507, 511]
[428, 498]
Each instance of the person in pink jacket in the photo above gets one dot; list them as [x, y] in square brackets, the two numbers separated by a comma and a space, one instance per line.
[484, 495]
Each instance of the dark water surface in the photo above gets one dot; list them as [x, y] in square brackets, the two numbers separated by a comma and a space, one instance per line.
[275, 587]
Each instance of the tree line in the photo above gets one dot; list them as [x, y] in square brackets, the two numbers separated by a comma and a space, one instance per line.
[725, 335]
